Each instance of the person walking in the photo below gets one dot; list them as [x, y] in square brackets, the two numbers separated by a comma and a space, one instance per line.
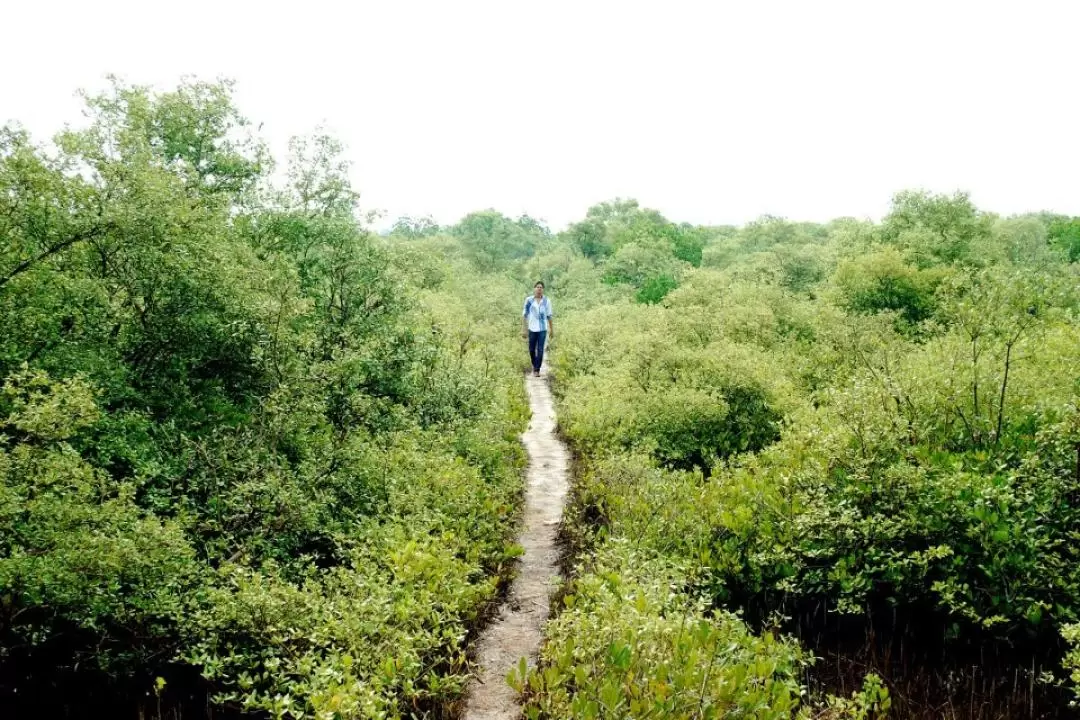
[537, 326]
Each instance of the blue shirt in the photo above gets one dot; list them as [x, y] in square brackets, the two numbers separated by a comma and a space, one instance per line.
[537, 313]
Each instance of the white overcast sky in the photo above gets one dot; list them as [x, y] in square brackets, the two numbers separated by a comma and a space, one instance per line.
[711, 112]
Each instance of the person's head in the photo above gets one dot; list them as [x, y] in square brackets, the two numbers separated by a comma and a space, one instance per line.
[538, 289]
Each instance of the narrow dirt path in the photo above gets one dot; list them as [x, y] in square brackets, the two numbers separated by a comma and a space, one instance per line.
[515, 633]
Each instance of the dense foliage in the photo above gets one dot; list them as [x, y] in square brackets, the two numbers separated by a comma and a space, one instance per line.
[238, 432]
[875, 419]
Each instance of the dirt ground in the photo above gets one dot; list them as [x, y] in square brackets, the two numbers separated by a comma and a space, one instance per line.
[516, 631]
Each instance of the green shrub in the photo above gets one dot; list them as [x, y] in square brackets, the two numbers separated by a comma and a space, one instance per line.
[79, 556]
[627, 645]
[1072, 660]
[690, 428]
[656, 289]
[882, 282]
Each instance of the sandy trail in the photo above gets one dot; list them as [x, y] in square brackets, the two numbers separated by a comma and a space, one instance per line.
[516, 632]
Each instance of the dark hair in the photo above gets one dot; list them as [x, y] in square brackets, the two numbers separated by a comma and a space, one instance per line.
[540, 283]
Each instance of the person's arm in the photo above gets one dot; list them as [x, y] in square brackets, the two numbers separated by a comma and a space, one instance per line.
[525, 321]
[551, 323]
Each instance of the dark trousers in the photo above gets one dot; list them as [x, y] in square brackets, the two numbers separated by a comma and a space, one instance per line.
[536, 348]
